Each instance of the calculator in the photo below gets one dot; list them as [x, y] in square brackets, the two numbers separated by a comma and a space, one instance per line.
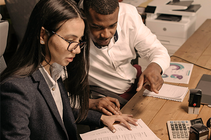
[179, 129]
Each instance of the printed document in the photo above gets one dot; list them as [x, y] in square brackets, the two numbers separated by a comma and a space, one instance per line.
[140, 132]
[178, 72]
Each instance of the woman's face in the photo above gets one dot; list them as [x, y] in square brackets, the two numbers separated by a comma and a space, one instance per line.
[71, 30]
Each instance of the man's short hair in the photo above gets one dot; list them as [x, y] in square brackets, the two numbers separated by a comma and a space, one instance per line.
[103, 7]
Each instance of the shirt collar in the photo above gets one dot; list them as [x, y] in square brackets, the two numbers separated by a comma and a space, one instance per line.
[56, 72]
[116, 36]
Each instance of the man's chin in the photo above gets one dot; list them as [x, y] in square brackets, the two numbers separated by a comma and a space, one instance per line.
[102, 44]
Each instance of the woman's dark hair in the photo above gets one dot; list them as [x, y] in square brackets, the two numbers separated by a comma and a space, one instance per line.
[103, 7]
[52, 14]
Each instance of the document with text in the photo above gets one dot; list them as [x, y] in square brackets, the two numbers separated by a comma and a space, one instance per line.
[140, 132]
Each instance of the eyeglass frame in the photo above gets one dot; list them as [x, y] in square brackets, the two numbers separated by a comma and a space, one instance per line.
[70, 42]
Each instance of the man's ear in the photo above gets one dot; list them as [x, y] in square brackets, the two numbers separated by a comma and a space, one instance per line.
[42, 36]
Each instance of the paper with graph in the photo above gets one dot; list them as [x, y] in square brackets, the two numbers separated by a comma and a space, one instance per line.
[178, 72]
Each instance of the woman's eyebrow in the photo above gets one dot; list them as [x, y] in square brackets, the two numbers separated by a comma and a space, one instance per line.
[71, 35]
[74, 36]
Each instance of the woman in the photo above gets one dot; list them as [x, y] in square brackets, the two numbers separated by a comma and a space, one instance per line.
[34, 101]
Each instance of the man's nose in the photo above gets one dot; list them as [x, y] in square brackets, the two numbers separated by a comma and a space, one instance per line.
[106, 33]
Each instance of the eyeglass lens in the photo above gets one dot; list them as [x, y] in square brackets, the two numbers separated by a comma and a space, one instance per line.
[81, 45]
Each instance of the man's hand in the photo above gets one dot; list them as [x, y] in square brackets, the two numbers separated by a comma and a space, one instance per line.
[151, 78]
[106, 105]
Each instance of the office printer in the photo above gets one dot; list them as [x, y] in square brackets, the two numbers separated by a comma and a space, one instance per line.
[172, 21]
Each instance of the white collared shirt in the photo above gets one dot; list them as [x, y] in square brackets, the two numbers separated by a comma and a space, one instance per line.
[110, 66]
[56, 72]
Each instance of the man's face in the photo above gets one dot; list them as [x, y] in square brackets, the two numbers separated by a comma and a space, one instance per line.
[102, 27]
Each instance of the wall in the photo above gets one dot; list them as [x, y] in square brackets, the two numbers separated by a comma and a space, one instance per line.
[204, 12]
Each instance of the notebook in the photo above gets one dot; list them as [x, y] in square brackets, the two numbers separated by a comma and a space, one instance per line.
[205, 86]
[169, 92]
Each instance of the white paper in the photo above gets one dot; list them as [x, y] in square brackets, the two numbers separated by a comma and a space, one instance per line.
[134, 2]
[178, 72]
[170, 92]
[140, 132]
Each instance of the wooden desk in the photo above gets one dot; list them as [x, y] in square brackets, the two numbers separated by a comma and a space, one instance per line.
[197, 49]
[156, 112]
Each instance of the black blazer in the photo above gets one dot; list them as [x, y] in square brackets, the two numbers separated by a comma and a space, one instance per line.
[28, 111]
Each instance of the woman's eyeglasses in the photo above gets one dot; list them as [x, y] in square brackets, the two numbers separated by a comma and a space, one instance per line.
[74, 43]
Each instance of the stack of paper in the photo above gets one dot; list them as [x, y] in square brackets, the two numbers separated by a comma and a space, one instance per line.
[140, 132]
[169, 92]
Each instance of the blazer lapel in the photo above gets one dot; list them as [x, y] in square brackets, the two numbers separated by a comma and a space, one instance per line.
[68, 117]
[45, 91]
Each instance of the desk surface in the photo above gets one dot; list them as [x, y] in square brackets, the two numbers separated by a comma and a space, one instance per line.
[197, 49]
[156, 112]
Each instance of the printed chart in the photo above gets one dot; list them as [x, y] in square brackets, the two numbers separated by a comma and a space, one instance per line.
[178, 72]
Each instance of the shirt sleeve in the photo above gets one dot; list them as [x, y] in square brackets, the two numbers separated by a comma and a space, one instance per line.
[92, 119]
[146, 43]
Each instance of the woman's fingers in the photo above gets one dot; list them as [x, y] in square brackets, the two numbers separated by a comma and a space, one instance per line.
[128, 119]
[126, 124]
[132, 121]
[111, 128]
[106, 111]
[124, 119]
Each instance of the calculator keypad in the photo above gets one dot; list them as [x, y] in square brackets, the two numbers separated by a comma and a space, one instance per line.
[179, 130]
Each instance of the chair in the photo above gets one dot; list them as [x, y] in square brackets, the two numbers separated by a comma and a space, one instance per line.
[4, 27]
[19, 12]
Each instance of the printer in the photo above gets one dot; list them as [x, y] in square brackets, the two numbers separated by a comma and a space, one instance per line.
[172, 21]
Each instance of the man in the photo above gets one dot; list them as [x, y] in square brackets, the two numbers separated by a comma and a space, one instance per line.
[116, 31]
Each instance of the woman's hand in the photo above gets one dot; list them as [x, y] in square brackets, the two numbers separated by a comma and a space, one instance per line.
[124, 119]
[106, 105]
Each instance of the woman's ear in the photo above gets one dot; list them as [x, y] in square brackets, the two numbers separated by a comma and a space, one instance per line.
[43, 36]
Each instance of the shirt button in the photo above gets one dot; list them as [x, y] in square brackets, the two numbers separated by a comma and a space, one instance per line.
[53, 88]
